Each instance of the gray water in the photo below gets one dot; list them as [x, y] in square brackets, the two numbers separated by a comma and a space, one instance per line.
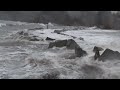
[14, 55]
[12, 52]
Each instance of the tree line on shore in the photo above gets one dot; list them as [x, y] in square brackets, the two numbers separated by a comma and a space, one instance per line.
[101, 19]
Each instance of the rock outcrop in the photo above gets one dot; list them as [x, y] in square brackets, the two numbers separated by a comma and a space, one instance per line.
[37, 28]
[79, 52]
[109, 55]
[97, 49]
[57, 31]
[33, 39]
[25, 35]
[97, 53]
[58, 43]
[69, 44]
[81, 38]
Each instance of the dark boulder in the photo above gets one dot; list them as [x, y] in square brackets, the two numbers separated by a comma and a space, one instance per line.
[73, 37]
[71, 44]
[49, 38]
[51, 44]
[58, 43]
[79, 52]
[33, 39]
[97, 53]
[42, 33]
[36, 28]
[23, 33]
[61, 43]
[81, 38]
[57, 31]
[97, 49]
[27, 36]
[109, 55]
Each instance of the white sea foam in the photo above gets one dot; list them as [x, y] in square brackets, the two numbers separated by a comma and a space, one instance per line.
[15, 61]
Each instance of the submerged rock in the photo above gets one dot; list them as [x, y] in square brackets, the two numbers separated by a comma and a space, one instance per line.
[33, 39]
[37, 28]
[109, 55]
[25, 35]
[81, 38]
[30, 38]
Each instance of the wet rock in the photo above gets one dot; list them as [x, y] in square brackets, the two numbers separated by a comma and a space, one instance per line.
[97, 49]
[42, 33]
[57, 31]
[33, 39]
[61, 43]
[58, 43]
[30, 38]
[49, 38]
[23, 33]
[79, 52]
[81, 38]
[76, 28]
[97, 53]
[109, 55]
[71, 44]
[37, 28]
[73, 37]
[51, 45]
